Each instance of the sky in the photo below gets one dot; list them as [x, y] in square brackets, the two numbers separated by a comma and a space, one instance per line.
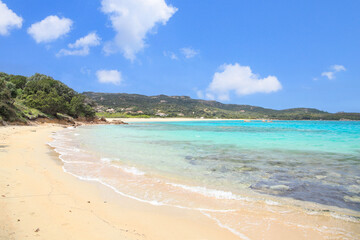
[270, 53]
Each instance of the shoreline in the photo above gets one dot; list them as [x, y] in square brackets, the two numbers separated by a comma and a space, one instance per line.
[132, 120]
[39, 200]
[40, 192]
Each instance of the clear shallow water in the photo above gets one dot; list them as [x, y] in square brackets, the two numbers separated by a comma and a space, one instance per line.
[218, 166]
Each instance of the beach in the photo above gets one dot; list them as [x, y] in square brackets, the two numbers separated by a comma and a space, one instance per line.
[41, 201]
[135, 120]
[160, 120]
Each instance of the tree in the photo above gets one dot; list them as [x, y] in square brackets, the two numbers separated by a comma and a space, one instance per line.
[12, 88]
[51, 96]
[50, 103]
[7, 111]
[18, 80]
[4, 76]
[78, 108]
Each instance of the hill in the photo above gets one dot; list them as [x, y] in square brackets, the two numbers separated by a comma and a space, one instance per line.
[132, 105]
[40, 96]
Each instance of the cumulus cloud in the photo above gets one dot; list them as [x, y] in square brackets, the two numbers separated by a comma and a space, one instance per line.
[109, 76]
[132, 20]
[329, 75]
[189, 52]
[82, 46]
[333, 70]
[50, 28]
[8, 19]
[241, 80]
[92, 39]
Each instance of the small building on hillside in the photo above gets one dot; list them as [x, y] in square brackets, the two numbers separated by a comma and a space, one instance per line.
[110, 110]
[160, 114]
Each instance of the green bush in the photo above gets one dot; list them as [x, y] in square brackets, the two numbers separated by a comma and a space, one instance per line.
[12, 88]
[51, 97]
[79, 109]
[19, 81]
[4, 76]
[7, 110]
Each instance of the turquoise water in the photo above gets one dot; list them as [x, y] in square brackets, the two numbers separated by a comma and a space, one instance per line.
[313, 161]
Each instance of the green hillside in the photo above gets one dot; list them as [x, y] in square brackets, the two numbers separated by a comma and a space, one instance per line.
[28, 98]
[132, 105]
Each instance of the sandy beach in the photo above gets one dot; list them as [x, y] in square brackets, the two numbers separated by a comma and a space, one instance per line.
[130, 120]
[39, 201]
[160, 120]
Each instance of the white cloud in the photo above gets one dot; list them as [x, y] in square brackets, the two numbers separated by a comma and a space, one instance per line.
[109, 76]
[333, 70]
[132, 20]
[50, 28]
[82, 46]
[329, 75]
[75, 52]
[338, 68]
[189, 52]
[241, 80]
[8, 19]
[171, 55]
[92, 39]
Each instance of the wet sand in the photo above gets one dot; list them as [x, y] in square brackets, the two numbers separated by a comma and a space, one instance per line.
[39, 201]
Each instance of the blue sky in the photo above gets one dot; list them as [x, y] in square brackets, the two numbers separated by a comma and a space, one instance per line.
[276, 54]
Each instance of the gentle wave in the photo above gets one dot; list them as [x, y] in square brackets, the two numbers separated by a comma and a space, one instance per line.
[242, 236]
[218, 194]
[157, 203]
[66, 151]
[134, 171]
[131, 170]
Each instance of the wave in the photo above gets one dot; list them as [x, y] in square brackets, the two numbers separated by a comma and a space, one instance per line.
[65, 151]
[218, 194]
[242, 236]
[131, 170]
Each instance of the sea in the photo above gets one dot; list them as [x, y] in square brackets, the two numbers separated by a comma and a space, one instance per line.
[248, 177]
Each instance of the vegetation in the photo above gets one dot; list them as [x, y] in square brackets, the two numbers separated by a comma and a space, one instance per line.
[120, 115]
[135, 105]
[23, 98]
[7, 110]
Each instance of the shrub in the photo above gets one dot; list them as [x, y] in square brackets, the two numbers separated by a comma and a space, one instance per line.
[51, 97]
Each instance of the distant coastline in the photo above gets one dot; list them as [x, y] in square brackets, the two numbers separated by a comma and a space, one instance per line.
[123, 105]
[40, 98]
[178, 119]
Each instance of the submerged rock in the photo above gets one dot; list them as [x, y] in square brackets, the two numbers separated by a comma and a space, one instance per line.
[354, 189]
[280, 187]
[352, 199]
